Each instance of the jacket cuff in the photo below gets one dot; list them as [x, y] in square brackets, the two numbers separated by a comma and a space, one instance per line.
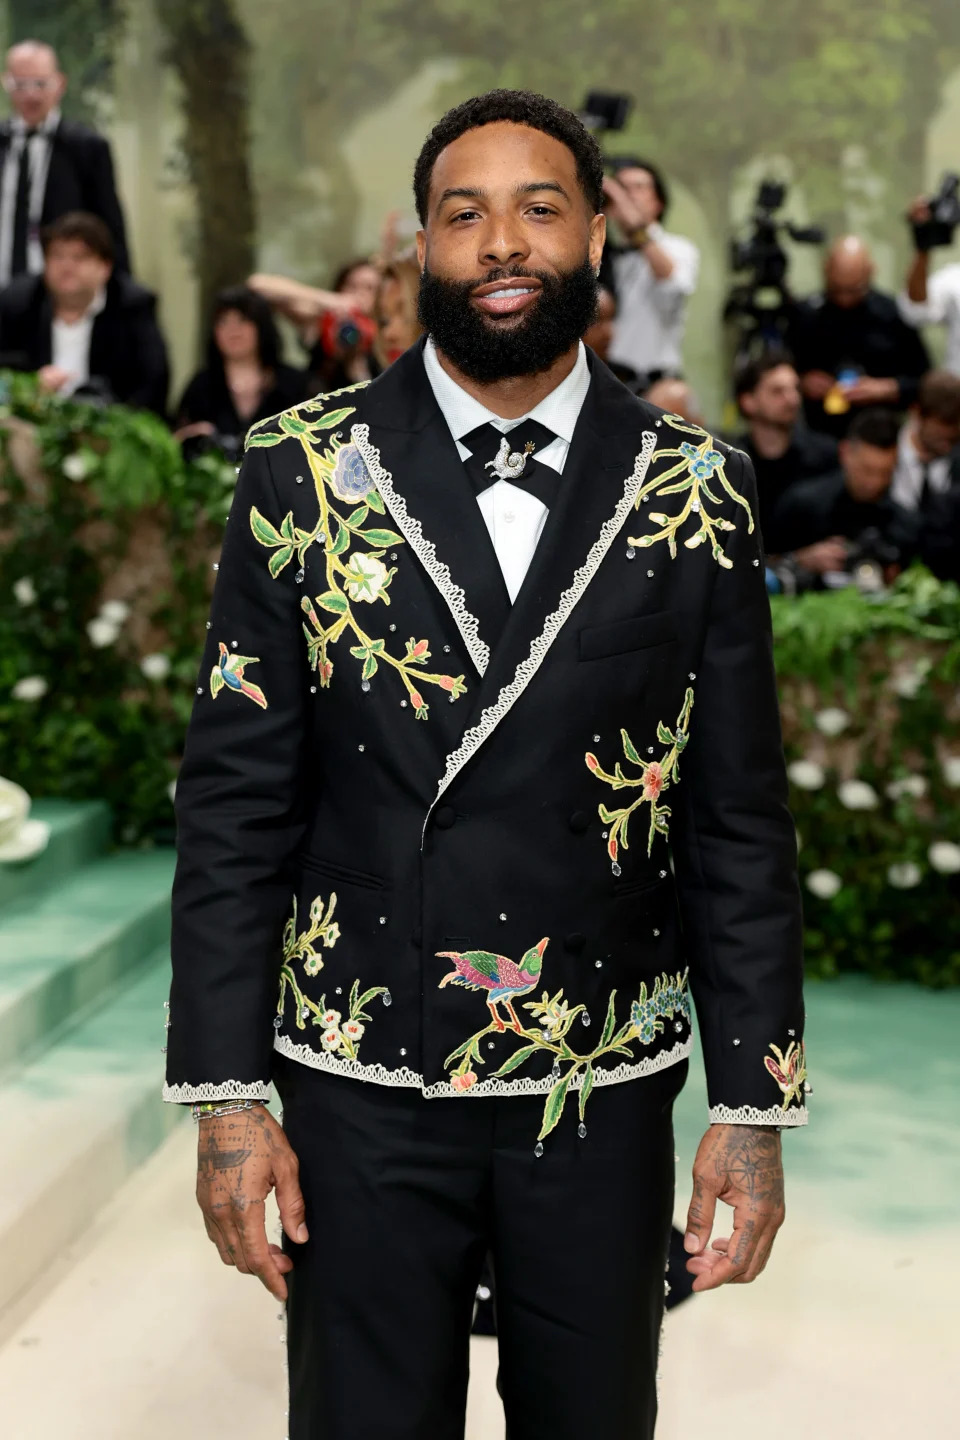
[226, 1090]
[752, 1115]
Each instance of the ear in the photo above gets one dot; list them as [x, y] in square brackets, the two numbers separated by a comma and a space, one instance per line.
[598, 236]
[422, 250]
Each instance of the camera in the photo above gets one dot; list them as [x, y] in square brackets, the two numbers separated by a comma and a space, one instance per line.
[346, 334]
[868, 558]
[603, 110]
[758, 306]
[944, 215]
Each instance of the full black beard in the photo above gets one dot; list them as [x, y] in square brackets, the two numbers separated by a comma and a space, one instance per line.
[489, 350]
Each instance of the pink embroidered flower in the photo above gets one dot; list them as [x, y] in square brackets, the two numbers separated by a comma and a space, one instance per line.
[416, 699]
[612, 847]
[653, 781]
[417, 651]
[353, 1030]
[331, 1040]
[447, 682]
[463, 1082]
[325, 670]
[330, 1019]
[592, 762]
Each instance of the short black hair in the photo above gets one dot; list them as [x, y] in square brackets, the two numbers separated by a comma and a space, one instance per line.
[634, 162]
[519, 107]
[252, 307]
[80, 225]
[749, 372]
[875, 427]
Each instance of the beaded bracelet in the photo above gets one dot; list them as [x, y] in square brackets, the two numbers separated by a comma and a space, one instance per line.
[199, 1112]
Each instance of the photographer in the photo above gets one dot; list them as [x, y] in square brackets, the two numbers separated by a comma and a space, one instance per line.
[654, 273]
[851, 346]
[928, 460]
[335, 325]
[933, 299]
[844, 528]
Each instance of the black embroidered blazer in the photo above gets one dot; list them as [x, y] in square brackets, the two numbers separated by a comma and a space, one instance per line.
[430, 839]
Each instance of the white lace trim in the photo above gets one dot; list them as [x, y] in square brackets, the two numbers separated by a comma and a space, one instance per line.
[227, 1090]
[493, 714]
[750, 1115]
[442, 1090]
[425, 550]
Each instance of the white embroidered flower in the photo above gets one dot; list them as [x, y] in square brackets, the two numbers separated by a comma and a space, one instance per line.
[832, 721]
[330, 1019]
[857, 795]
[353, 1030]
[31, 687]
[331, 1040]
[24, 590]
[366, 576]
[907, 682]
[116, 611]
[102, 632]
[944, 856]
[914, 785]
[156, 667]
[806, 774]
[76, 466]
[824, 884]
[951, 770]
[904, 875]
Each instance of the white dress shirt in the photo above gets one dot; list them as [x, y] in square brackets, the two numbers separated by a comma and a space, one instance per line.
[40, 146]
[651, 313]
[941, 307]
[907, 484]
[513, 517]
[70, 345]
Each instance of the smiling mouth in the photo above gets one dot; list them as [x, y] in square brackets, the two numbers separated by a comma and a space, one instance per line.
[506, 298]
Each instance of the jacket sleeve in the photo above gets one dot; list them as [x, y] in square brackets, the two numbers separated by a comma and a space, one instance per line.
[239, 805]
[735, 852]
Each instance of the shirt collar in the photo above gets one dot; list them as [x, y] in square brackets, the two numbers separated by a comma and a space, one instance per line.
[97, 304]
[559, 410]
[46, 127]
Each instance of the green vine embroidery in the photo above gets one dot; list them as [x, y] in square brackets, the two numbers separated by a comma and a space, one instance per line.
[698, 465]
[505, 980]
[655, 777]
[339, 1035]
[348, 501]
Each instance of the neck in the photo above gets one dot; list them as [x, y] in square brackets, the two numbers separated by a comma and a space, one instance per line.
[518, 394]
[919, 447]
[73, 309]
[771, 441]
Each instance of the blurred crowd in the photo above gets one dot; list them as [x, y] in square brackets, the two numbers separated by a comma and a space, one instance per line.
[854, 436]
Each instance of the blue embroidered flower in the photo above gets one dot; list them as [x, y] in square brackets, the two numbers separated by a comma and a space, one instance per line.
[351, 480]
[702, 466]
[644, 1016]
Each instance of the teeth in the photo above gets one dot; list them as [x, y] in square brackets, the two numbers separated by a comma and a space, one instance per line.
[508, 294]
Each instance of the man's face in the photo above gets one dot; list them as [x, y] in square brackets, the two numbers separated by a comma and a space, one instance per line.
[73, 272]
[639, 185]
[847, 281]
[361, 286]
[936, 438]
[33, 82]
[508, 252]
[776, 399]
[868, 470]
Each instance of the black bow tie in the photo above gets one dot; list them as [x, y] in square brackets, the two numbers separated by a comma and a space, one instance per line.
[495, 456]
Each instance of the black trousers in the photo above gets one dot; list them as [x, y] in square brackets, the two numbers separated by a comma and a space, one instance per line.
[405, 1197]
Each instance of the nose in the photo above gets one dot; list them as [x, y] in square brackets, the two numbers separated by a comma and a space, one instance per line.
[503, 242]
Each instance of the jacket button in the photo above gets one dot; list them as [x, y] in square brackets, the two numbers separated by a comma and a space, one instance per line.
[445, 817]
[579, 821]
[575, 943]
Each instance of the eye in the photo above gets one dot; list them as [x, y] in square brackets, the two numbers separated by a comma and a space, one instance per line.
[465, 215]
[542, 211]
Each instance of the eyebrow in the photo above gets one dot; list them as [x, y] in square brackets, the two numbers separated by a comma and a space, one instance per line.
[472, 192]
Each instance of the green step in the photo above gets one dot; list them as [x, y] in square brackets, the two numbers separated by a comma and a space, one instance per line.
[64, 951]
[79, 832]
[77, 1122]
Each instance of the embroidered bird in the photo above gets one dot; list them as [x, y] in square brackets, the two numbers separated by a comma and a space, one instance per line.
[502, 977]
[229, 671]
[507, 464]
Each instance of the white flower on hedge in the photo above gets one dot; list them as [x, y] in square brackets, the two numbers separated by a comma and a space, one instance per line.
[857, 795]
[945, 857]
[806, 774]
[24, 590]
[31, 687]
[156, 667]
[824, 884]
[832, 721]
[102, 632]
[906, 683]
[116, 611]
[914, 785]
[76, 466]
[951, 770]
[904, 875]
[172, 791]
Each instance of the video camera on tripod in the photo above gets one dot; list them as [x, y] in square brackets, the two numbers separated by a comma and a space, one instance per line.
[944, 209]
[758, 306]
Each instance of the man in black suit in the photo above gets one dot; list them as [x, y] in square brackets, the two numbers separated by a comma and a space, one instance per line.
[466, 620]
[48, 166]
[82, 327]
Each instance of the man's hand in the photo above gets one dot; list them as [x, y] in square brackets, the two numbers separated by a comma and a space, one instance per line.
[869, 390]
[741, 1165]
[816, 384]
[52, 378]
[825, 556]
[240, 1158]
[629, 212]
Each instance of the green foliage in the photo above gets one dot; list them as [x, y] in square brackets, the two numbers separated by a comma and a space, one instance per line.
[891, 668]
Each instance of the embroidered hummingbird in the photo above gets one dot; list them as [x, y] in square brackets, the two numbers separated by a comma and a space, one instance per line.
[229, 671]
[503, 978]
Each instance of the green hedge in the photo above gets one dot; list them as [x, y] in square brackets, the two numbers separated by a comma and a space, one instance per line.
[869, 688]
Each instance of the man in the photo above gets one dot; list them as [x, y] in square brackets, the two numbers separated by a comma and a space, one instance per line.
[932, 299]
[928, 463]
[48, 166]
[853, 505]
[851, 347]
[476, 954]
[83, 328]
[676, 397]
[783, 451]
[654, 274]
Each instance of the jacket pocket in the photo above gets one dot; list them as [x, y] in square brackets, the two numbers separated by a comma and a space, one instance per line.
[619, 637]
[345, 874]
[632, 889]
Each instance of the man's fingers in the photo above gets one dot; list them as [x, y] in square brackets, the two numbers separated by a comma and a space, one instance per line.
[290, 1201]
[256, 1251]
[739, 1259]
[214, 1234]
[282, 1261]
[699, 1217]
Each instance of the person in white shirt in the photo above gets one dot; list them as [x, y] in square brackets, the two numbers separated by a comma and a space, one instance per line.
[654, 276]
[932, 299]
[928, 464]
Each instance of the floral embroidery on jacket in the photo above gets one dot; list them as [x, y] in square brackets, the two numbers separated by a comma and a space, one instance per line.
[789, 1070]
[348, 502]
[505, 980]
[337, 1035]
[228, 672]
[698, 466]
[655, 777]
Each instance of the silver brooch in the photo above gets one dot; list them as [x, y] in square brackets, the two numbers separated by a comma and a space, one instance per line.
[508, 464]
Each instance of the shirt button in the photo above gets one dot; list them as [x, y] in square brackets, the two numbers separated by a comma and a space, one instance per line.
[508, 517]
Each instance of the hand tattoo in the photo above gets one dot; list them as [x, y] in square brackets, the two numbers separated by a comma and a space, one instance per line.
[749, 1159]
